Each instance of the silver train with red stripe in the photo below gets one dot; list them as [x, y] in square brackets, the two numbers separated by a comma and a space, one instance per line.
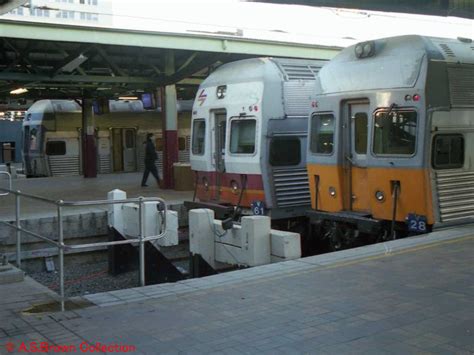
[52, 132]
[249, 132]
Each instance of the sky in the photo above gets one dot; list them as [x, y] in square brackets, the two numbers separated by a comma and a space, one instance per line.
[293, 23]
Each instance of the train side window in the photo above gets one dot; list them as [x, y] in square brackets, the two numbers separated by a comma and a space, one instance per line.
[285, 151]
[395, 134]
[448, 151]
[55, 148]
[199, 137]
[182, 143]
[129, 139]
[242, 136]
[322, 134]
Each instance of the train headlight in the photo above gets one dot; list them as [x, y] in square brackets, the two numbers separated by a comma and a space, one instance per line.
[380, 196]
[332, 191]
[205, 183]
[234, 186]
[365, 49]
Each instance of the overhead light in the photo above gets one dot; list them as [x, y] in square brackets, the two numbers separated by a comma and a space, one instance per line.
[128, 98]
[74, 64]
[18, 91]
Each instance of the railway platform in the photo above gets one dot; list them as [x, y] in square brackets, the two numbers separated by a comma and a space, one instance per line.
[414, 295]
[75, 188]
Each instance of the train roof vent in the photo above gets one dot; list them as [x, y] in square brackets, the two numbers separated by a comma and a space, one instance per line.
[448, 51]
[300, 72]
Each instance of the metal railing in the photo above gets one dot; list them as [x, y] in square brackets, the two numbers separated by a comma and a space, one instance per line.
[60, 204]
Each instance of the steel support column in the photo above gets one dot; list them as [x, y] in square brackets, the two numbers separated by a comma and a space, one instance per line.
[89, 146]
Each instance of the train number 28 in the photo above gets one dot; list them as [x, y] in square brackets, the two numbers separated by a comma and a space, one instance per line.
[417, 223]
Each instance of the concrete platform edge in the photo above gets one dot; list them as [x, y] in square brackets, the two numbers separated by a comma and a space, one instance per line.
[270, 271]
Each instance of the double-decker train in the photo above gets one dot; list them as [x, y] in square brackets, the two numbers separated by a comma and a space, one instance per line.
[249, 131]
[391, 147]
[52, 137]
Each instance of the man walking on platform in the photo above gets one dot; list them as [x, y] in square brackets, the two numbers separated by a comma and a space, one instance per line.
[150, 158]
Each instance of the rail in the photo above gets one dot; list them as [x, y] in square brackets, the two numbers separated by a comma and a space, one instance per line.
[60, 204]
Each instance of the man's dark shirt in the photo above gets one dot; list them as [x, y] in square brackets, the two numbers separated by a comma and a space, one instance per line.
[150, 153]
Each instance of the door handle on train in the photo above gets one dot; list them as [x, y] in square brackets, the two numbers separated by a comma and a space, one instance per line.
[350, 159]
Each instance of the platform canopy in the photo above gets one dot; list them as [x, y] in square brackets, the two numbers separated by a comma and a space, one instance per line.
[459, 8]
[52, 60]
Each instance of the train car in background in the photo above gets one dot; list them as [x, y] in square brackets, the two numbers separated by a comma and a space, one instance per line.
[249, 131]
[52, 137]
[391, 145]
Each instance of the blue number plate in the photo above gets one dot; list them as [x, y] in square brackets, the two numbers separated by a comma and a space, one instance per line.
[258, 209]
[416, 223]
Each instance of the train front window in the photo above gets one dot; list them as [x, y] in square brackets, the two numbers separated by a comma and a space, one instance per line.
[285, 151]
[395, 133]
[448, 151]
[199, 136]
[322, 134]
[242, 136]
[360, 132]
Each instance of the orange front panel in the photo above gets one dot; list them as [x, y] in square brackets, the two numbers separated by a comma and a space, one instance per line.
[329, 176]
[414, 197]
[360, 194]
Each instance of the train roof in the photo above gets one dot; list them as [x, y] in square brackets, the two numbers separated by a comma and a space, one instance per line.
[393, 62]
[57, 106]
[264, 69]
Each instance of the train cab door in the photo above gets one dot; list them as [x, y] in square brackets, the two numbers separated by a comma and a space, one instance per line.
[356, 148]
[220, 120]
[129, 149]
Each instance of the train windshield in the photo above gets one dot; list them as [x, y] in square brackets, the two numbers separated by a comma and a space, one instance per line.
[242, 136]
[322, 133]
[395, 132]
[199, 135]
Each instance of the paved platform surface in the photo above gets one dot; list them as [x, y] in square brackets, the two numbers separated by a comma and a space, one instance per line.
[74, 188]
[410, 296]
